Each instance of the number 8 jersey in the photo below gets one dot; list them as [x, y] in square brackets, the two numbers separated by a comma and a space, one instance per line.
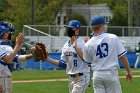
[103, 51]
[74, 63]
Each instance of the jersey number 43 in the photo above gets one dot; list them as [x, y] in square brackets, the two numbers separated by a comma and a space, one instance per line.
[102, 50]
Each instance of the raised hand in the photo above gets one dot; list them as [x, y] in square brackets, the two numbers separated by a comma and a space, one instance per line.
[19, 39]
[74, 44]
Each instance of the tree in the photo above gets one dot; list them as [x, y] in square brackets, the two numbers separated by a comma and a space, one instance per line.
[18, 13]
[3, 6]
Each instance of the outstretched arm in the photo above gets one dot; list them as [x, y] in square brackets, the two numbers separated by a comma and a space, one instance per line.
[59, 63]
[23, 58]
[55, 62]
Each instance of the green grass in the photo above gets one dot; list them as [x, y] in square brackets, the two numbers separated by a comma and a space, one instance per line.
[41, 87]
[61, 86]
[38, 74]
[132, 87]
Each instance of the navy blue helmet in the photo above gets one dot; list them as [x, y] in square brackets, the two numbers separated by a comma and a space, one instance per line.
[5, 27]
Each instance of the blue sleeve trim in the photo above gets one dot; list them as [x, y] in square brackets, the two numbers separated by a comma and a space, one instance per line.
[2, 55]
[15, 59]
[62, 64]
[122, 54]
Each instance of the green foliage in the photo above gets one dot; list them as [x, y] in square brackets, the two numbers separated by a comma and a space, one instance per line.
[46, 12]
[78, 17]
[120, 17]
[19, 11]
[75, 2]
[3, 7]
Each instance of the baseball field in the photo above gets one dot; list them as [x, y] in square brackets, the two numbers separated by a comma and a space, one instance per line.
[56, 81]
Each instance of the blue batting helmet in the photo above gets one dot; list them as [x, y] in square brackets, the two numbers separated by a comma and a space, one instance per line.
[97, 20]
[73, 24]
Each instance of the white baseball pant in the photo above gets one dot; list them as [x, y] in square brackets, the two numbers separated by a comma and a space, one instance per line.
[106, 82]
[78, 84]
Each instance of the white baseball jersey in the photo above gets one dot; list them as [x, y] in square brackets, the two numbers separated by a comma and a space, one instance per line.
[5, 73]
[6, 49]
[74, 63]
[103, 51]
[4, 70]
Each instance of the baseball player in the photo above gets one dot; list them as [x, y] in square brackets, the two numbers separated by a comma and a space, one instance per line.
[138, 55]
[103, 51]
[72, 59]
[9, 55]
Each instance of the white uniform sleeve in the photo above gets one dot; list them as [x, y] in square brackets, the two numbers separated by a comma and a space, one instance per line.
[63, 57]
[2, 52]
[119, 47]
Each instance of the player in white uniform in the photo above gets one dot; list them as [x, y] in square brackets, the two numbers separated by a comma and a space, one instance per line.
[72, 59]
[103, 51]
[138, 55]
[9, 55]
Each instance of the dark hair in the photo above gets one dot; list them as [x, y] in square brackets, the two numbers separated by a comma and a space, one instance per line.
[70, 32]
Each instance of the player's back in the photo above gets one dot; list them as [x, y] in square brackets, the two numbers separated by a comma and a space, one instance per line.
[104, 50]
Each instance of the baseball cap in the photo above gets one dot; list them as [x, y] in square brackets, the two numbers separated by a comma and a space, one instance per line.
[73, 24]
[97, 20]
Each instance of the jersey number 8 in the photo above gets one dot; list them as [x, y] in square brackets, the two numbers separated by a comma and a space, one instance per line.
[75, 63]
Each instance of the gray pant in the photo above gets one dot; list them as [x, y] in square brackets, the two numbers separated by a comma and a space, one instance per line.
[137, 60]
[6, 85]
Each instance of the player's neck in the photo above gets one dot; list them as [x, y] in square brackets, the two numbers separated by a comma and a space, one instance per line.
[96, 33]
[4, 39]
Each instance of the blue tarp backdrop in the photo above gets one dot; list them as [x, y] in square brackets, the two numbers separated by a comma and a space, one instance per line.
[47, 65]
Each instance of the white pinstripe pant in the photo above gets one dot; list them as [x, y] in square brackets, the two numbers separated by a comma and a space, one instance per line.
[6, 84]
[79, 84]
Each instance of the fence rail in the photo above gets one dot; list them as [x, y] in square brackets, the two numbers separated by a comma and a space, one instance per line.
[54, 36]
[54, 30]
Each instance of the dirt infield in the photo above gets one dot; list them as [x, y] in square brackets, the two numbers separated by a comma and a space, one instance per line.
[27, 81]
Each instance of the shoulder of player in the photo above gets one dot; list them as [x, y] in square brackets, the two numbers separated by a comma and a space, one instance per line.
[111, 35]
[80, 39]
[66, 43]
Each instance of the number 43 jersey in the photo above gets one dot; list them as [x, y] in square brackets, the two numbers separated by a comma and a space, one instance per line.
[103, 51]
[70, 56]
